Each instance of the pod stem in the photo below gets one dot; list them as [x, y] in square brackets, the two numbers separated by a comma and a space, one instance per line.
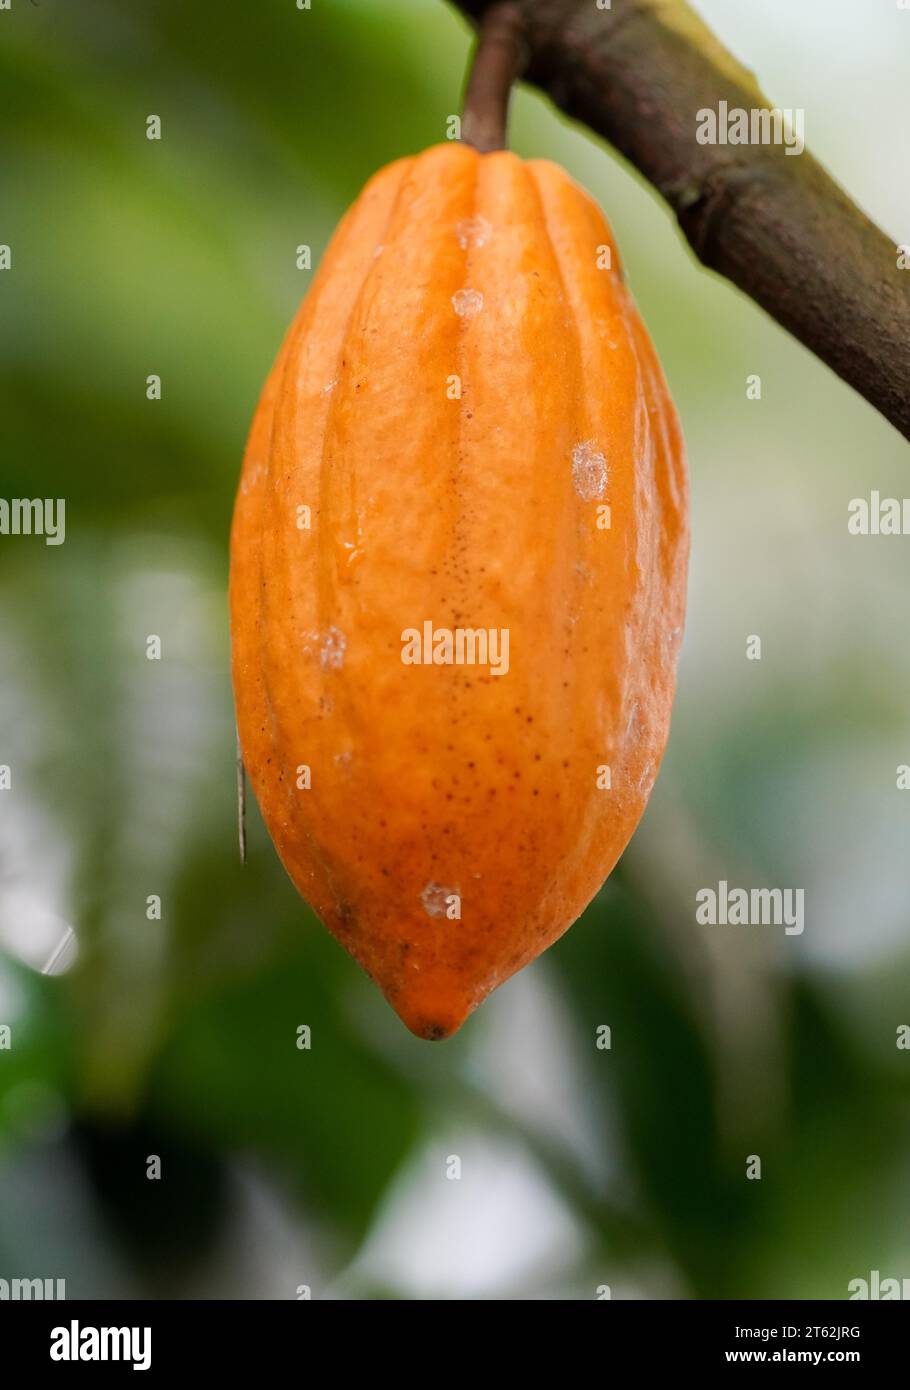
[499, 60]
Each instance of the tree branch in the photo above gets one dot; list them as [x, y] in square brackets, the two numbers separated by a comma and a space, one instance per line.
[776, 225]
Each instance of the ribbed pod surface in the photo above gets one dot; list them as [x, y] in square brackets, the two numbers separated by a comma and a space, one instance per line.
[471, 411]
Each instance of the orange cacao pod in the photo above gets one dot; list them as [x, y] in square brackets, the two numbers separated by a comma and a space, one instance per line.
[458, 566]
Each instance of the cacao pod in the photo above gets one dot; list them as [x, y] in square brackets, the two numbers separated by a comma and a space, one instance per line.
[458, 565]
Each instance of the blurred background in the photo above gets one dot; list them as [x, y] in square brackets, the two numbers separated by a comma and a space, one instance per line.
[326, 1168]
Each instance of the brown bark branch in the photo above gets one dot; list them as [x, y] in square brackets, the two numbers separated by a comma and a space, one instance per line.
[776, 225]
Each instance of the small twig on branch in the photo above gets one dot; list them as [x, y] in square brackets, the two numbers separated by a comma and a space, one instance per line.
[498, 63]
[776, 225]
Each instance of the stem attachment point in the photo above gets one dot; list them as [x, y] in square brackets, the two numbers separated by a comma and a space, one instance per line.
[500, 58]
